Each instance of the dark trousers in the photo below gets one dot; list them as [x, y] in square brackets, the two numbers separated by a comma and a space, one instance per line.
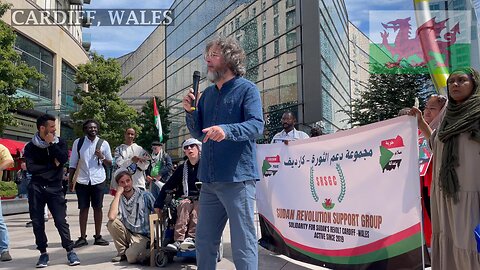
[38, 196]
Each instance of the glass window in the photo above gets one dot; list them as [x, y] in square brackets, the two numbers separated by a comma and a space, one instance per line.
[276, 47]
[290, 19]
[290, 3]
[275, 26]
[68, 87]
[264, 32]
[275, 9]
[42, 60]
[291, 40]
[264, 54]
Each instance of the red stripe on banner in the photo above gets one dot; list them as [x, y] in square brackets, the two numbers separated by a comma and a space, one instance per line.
[356, 251]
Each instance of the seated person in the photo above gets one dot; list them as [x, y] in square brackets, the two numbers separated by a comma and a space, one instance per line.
[128, 220]
[183, 182]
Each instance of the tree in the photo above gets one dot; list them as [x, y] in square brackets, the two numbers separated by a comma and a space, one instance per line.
[101, 102]
[389, 91]
[14, 74]
[146, 122]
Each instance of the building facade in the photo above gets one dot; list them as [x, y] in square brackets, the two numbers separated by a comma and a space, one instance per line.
[54, 51]
[461, 56]
[297, 54]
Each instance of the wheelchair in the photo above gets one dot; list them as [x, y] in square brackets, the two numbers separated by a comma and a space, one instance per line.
[162, 231]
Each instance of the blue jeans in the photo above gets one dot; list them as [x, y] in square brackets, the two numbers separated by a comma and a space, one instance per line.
[219, 202]
[3, 232]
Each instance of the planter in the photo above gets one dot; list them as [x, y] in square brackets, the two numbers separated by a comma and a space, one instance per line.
[8, 189]
[7, 197]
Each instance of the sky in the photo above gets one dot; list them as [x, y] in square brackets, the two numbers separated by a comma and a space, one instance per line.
[115, 41]
[359, 11]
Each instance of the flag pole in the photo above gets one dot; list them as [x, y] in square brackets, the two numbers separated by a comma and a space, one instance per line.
[438, 72]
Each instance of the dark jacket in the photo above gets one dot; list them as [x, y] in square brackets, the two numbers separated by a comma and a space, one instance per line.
[176, 182]
[41, 164]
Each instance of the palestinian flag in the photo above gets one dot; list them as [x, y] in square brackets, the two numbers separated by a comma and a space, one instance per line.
[158, 122]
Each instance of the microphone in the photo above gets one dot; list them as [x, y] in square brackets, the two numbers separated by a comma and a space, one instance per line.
[196, 81]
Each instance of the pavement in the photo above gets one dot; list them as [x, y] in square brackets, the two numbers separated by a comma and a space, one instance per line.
[22, 247]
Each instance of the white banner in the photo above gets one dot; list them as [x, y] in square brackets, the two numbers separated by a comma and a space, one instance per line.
[350, 198]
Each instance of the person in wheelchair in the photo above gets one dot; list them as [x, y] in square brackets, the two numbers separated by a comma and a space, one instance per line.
[186, 193]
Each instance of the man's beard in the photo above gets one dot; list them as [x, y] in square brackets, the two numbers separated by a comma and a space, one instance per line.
[216, 75]
[287, 126]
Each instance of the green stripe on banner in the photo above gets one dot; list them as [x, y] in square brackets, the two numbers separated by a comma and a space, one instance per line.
[399, 248]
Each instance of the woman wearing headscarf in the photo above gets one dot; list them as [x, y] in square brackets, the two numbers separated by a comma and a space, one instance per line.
[455, 194]
[432, 114]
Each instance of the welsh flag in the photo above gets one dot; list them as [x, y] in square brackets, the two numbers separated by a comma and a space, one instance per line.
[158, 122]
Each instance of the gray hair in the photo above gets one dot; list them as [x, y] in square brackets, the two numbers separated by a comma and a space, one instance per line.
[232, 52]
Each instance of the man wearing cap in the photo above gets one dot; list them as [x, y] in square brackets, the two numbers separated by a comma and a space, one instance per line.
[183, 181]
[160, 170]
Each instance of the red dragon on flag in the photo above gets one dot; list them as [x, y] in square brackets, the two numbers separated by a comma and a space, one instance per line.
[407, 48]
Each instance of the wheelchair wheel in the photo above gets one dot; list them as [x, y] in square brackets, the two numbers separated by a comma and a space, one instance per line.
[161, 259]
[170, 258]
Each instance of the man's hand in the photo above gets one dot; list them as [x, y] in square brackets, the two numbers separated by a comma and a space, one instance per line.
[214, 133]
[285, 142]
[56, 162]
[135, 159]
[120, 190]
[187, 101]
[99, 154]
[49, 138]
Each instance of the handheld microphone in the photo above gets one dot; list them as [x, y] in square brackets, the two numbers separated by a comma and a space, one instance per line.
[196, 81]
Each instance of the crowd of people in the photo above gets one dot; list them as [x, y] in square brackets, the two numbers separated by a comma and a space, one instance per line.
[225, 121]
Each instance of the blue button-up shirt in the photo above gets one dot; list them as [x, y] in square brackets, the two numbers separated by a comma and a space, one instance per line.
[237, 109]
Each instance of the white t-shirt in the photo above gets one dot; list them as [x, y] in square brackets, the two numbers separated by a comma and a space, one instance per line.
[293, 135]
[90, 168]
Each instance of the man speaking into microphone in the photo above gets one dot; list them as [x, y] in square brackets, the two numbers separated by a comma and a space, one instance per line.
[228, 118]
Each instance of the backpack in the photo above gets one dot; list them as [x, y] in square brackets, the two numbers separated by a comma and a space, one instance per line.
[97, 146]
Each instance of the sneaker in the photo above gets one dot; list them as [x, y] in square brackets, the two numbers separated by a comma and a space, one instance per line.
[82, 241]
[5, 256]
[188, 244]
[119, 258]
[29, 224]
[174, 246]
[42, 261]
[72, 258]
[100, 241]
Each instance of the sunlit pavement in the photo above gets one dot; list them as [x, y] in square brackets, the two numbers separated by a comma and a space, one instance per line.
[22, 247]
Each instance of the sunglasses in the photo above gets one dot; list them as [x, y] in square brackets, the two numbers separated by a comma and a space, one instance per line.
[186, 147]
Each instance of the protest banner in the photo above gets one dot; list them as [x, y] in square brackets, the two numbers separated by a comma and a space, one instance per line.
[349, 200]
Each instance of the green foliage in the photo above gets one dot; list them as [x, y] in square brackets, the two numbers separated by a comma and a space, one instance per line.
[101, 102]
[14, 74]
[389, 91]
[8, 189]
[146, 122]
